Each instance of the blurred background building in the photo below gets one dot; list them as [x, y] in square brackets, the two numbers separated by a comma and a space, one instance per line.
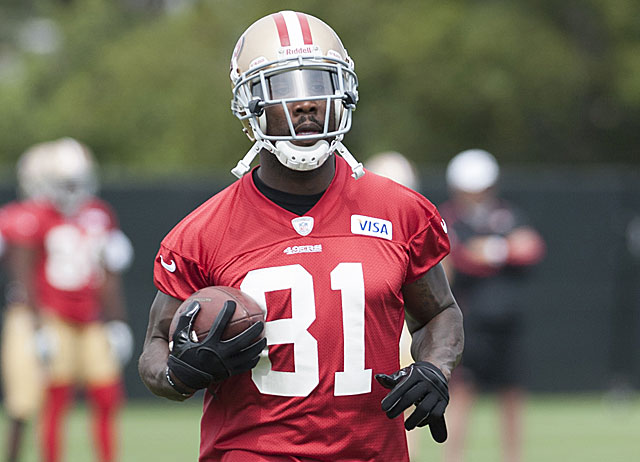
[549, 87]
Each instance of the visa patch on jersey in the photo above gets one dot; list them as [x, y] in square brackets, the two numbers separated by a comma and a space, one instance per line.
[369, 226]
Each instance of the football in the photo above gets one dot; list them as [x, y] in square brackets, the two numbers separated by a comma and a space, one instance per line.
[211, 300]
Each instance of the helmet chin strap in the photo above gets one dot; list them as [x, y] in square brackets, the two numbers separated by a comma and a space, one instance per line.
[301, 158]
[356, 167]
[244, 164]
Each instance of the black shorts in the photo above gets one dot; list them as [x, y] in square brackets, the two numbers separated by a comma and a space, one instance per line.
[493, 355]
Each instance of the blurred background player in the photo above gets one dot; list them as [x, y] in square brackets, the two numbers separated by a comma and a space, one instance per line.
[492, 245]
[395, 166]
[68, 257]
[398, 168]
[22, 376]
[22, 343]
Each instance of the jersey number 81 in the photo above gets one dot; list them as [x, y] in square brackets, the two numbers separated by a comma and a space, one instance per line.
[345, 277]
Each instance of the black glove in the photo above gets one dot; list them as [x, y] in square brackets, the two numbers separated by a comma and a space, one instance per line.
[199, 364]
[424, 385]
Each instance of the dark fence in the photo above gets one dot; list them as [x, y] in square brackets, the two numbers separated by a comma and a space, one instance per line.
[583, 303]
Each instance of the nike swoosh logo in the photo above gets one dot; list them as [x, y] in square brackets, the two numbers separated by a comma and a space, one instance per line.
[171, 267]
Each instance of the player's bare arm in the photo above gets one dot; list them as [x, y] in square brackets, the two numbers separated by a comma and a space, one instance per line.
[114, 315]
[112, 297]
[434, 320]
[153, 361]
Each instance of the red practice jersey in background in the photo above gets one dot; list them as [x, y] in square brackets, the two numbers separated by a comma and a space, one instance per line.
[69, 269]
[10, 214]
[330, 283]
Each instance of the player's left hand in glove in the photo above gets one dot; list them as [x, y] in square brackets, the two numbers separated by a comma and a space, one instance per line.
[424, 385]
[199, 364]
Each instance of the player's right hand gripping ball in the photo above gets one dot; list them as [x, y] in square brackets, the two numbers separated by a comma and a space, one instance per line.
[424, 385]
[199, 364]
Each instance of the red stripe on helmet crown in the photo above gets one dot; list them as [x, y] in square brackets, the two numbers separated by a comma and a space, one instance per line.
[281, 25]
[306, 31]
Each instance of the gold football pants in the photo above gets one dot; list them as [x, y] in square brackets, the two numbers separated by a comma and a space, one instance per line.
[81, 354]
[22, 374]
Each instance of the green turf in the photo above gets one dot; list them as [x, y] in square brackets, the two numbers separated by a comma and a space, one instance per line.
[154, 431]
[558, 429]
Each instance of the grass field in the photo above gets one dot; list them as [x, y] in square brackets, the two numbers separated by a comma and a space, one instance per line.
[558, 429]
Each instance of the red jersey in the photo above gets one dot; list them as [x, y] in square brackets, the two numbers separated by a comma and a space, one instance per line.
[330, 283]
[10, 214]
[14, 222]
[69, 268]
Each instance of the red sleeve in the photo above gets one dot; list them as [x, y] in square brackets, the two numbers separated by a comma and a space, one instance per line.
[427, 247]
[20, 224]
[177, 275]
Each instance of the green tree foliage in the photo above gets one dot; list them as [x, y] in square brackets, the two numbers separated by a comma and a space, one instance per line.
[537, 81]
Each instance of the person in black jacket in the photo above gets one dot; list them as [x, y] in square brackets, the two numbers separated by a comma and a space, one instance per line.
[492, 246]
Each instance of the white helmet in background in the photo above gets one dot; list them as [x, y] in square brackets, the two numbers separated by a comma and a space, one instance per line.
[287, 57]
[61, 171]
[30, 172]
[472, 171]
[395, 166]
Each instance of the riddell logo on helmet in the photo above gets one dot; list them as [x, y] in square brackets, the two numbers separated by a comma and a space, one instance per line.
[295, 51]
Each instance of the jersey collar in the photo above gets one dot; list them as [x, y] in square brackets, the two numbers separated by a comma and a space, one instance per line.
[321, 209]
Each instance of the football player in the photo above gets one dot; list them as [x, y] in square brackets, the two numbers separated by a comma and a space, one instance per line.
[21, 370]
[68, 253]
[22, 374]
[492, 246]
[325, 383]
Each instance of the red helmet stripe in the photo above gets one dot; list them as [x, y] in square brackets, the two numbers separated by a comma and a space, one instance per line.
[282, 29]
[306, 31]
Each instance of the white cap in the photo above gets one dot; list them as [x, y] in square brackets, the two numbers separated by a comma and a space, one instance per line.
[395, 166]
[472, 171]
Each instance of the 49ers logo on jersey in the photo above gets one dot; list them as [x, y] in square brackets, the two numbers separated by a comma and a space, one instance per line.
[293, 250]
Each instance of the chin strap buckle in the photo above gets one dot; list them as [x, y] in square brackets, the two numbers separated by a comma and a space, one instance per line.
[244, 164]
[356, 167]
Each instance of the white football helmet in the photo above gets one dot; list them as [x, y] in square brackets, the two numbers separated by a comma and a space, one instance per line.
[472, 171]
[287, 57]
[61, 171]
[395, 166]
[30, 170]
